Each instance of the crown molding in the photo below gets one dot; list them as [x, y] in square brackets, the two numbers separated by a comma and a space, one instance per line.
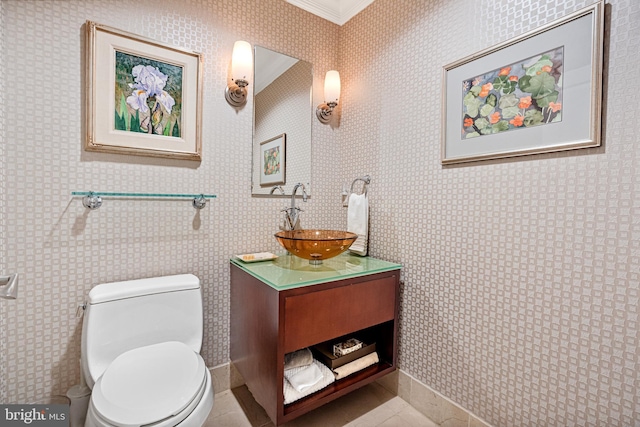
[336, 11]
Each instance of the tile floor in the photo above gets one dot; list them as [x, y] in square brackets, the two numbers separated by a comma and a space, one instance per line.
[370, 406]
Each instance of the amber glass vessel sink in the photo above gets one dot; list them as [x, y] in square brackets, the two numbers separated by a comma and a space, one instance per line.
[316, 245]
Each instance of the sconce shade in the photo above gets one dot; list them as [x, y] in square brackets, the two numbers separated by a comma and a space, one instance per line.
[332, 87]
[241, 61]
[241, 69]
[331, 96]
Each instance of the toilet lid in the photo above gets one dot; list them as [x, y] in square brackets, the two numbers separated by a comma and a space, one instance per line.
[149, 384]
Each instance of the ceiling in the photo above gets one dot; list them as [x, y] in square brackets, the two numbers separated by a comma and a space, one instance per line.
[336, 11]
[271, 65]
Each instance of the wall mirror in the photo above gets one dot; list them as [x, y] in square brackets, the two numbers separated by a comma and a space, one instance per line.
[282, 115]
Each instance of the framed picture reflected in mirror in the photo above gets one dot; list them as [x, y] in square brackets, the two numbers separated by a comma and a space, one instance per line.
[273, 157]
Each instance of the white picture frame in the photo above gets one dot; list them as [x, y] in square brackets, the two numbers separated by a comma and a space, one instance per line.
[273, 160]
[473, 129]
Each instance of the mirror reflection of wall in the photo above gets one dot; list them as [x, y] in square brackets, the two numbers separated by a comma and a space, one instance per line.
[282, 105]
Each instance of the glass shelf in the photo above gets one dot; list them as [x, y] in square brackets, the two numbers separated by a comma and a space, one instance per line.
[93, 199]
[147, 195]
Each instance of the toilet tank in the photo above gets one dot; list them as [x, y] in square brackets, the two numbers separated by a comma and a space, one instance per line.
[121, 316]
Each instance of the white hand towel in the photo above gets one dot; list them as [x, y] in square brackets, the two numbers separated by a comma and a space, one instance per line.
[305, 378]
[298, 358]
[358, 214]
[358, 222]
[359, 247]
[291, 394]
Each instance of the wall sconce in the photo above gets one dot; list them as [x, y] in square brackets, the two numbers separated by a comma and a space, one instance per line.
[241, 69]
[331, 96]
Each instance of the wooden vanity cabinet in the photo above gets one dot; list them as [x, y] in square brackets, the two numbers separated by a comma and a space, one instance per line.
[267, 323]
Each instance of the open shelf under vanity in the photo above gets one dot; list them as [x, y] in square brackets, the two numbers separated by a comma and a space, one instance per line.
[269, 320]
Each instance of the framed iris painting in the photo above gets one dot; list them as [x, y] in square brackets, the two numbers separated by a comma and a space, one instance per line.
[273, 160]
[143, 98]
[538, 93]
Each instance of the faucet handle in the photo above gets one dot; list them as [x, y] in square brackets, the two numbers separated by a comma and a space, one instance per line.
[287, 210]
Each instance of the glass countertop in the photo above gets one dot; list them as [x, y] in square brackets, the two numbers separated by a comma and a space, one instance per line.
[289, 271]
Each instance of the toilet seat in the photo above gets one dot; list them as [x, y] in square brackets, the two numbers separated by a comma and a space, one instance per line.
[149, 385]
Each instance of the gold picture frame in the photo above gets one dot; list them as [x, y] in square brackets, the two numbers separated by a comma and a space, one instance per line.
[143, 98]
[540, 92]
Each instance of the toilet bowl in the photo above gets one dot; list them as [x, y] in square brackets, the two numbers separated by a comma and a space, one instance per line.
[140, 354]
[162, 384]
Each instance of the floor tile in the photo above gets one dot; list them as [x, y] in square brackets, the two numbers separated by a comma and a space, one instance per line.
[255, 414]
[227, 412]
[410, 416]
[369, 406]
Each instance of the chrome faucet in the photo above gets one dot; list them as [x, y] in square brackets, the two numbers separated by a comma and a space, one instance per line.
[292, 214]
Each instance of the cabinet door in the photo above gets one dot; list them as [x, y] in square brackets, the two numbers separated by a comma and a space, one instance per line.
[323, 315]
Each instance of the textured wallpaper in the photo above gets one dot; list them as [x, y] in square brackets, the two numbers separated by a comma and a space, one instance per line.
[3, 256]
[60, 249]
[521, 276]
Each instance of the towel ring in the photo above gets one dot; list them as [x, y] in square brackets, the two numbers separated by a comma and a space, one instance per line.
[366, 179]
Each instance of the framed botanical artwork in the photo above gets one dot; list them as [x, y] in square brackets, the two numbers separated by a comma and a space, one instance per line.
[273, 157]
[538, 93]
[144, 97]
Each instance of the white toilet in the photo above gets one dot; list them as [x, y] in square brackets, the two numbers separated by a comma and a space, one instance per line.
[140, 353]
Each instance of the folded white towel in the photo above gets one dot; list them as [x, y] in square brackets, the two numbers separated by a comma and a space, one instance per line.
[356, 365]
[298, 358]
[358, 222]
[305, 378]
[291, 394]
